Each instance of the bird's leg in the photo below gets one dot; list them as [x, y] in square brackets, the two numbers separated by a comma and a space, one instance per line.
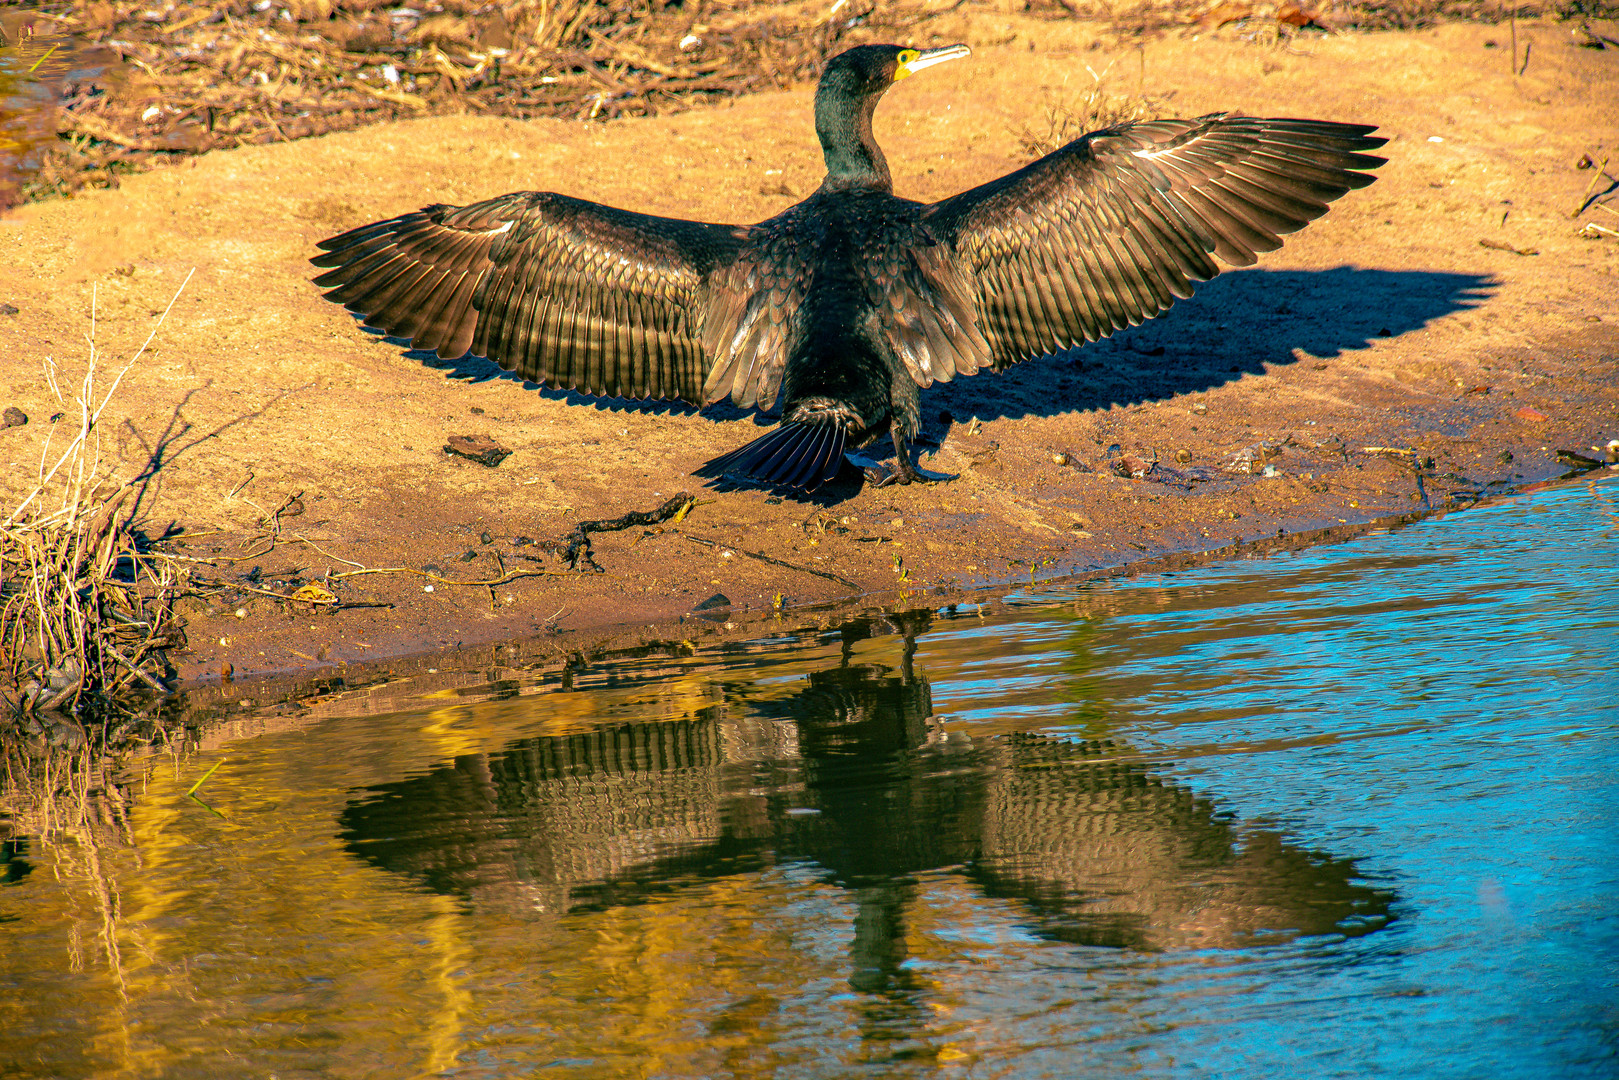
[905, 472]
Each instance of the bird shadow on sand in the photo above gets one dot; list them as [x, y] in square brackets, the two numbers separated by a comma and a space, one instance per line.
[1241, 323]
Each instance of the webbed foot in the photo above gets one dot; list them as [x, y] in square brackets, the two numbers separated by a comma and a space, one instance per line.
[926, 476]
[906, 473]
[879, 474]
[876, 473]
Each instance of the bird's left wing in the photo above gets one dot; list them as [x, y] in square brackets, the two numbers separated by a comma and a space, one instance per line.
[1111, 229]
[572, 293]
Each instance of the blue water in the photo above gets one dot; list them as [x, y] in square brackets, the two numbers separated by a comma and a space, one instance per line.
[1345, 812]
[1441, 702]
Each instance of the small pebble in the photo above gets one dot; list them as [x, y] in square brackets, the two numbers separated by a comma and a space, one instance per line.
[1183, 456]
[14, 417]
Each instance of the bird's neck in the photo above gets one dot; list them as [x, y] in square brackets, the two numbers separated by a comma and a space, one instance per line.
[843, 122]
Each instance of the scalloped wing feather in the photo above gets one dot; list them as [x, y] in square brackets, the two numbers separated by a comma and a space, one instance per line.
[567, 292]
[1113, 228]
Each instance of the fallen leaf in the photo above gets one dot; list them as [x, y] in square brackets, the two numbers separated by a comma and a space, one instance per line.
[1293, 15]
[314, 594]
[1224, 13]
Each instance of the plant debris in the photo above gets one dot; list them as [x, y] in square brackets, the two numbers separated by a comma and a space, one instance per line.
[86, 600]
[1501, 245]
[88, 608]
[137, 84]
[576, 545]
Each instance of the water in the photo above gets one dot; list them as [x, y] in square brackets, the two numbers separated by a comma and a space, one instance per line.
[37, 63]
[1348, 812]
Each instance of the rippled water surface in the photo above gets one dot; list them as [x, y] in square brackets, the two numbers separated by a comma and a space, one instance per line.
[1349, 812]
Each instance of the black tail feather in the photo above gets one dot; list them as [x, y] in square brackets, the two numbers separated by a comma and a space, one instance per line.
[794, 455]
[804, 460]
[795, 467]
[783, 463]
[813, 461]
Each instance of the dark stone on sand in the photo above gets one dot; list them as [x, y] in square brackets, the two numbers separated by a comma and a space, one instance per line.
[14, 417]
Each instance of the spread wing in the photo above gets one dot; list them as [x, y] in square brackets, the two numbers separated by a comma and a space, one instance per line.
[1111, 229]
[757, 306]
[928, 306]
[563, 291]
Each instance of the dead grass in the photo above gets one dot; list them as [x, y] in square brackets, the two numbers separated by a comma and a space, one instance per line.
[1072, 112]
[86, 604]
[140, 84]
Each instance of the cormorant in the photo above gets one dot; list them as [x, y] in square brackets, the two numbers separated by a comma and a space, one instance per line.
[846, 305]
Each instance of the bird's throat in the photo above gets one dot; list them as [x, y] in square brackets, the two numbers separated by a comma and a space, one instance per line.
[843, 122]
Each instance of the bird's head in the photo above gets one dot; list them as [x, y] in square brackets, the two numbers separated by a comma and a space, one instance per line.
[868, 70]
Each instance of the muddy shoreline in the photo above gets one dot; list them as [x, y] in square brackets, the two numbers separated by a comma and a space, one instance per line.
[1385, 361]
[219, 711]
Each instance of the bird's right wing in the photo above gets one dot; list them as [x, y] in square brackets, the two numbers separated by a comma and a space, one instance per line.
[571, 293]
[1111, 229]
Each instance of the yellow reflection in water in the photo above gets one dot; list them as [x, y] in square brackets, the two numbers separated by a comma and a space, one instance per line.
[684, 872]
[27, 106]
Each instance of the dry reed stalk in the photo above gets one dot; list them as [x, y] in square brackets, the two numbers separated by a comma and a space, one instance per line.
[86, 606]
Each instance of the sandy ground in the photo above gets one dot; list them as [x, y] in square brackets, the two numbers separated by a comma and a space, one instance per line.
[1385, 325]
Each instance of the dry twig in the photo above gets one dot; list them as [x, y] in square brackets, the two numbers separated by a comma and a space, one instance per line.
[86, 605]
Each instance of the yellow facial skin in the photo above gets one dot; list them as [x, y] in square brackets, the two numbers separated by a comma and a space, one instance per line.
[910, 61]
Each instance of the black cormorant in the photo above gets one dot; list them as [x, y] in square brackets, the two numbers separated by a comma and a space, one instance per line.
[846, 305]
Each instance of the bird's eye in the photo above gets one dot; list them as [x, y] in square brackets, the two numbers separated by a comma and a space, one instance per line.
[907, 55]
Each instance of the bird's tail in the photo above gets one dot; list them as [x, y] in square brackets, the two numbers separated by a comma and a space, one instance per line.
[790, 454]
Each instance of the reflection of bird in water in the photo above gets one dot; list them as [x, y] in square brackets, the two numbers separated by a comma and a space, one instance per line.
[846, 768]
[843, 306]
